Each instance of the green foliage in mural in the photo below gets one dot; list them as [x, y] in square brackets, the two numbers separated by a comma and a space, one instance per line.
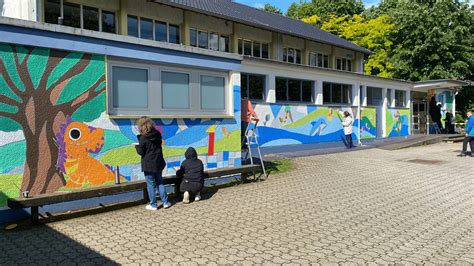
[39, 89]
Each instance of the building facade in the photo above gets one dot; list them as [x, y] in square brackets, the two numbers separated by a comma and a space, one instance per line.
[75, 74]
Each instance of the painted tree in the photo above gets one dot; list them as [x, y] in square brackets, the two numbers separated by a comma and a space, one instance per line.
[39, 88]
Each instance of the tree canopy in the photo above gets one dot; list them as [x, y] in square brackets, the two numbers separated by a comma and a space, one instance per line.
[272, 9]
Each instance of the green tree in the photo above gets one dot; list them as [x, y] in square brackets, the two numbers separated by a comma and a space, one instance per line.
[374, 34]
[325, 9]
[434, 40]
[39, 89]
[272, 9]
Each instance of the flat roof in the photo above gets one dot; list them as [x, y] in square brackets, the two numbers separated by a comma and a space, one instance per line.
[230, 10]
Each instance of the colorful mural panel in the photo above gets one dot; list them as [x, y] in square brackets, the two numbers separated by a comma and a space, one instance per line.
[398, 122]
[303, 124]
[56, 136]
[368, 127]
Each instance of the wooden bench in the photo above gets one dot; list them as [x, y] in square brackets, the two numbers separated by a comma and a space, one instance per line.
[59, 197]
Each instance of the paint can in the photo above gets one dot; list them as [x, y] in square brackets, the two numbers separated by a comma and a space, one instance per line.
[117, 175]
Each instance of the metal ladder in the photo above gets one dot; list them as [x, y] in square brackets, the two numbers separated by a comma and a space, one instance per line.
[251, 138]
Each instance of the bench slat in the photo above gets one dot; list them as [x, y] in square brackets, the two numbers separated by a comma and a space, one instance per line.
[58, 197]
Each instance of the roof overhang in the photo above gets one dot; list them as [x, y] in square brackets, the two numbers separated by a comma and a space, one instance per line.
[440, 84]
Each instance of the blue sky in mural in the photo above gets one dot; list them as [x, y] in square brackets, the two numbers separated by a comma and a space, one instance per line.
[284, 4]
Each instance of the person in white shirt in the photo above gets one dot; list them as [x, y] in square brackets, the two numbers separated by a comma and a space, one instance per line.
[347, 126]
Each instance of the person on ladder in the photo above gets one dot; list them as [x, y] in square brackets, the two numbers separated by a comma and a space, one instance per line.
[249, 122]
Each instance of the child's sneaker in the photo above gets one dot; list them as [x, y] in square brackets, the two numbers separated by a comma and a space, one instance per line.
[186, 197]
[150, 208]
[166, 205]
[198, 197]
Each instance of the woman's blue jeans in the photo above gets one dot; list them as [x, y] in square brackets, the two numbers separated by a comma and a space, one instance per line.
[154, 180]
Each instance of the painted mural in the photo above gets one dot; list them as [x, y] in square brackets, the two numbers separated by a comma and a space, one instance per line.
[55, 134]
[302, 124]
[398, 122]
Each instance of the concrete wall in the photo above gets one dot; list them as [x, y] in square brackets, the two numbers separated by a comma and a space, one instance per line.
[20, 9]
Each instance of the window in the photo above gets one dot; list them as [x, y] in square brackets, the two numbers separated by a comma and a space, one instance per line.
[319, 60]
[374, 96]
[137, 89]
[193, 37]
[257, 49]
[52, 11]
[337, 93]
[72, 15]
[292, 55]
[212, 93]
[400, 98]
[79, 16]
[214, 41]
[203, 39]
[253, 48]
[146, 29]
[294, 90]
[389, 97]
[247, 48]
[175, 90]
[108, 22]
[224, 45]
[132, 22]
[130, 87]
[173, 32]
[344, 64]
[161, 31]
[265, 53]
[252, 86]
[91, 18]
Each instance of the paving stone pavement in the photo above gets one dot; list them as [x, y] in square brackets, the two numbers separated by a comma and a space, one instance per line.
[368, 206]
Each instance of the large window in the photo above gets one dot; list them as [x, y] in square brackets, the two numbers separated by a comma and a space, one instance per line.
[337, 93]
[400, 98]
[374, 96]
[319, 60]
[209, 40]
[292, 55]
[79, 16]
[130, 87]
[145, 28]
[253, 48]
[343, 64]
[294, 90]
[155, 90]
[252, 86]
[389, 97]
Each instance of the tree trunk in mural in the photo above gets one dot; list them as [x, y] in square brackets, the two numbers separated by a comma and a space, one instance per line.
[40, 110]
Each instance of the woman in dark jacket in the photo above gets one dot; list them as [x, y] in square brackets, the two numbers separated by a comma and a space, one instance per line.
[153, 163]
[192, 172]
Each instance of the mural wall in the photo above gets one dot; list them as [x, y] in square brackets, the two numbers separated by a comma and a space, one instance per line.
[398, 122]
[302, 124]
[56, 136]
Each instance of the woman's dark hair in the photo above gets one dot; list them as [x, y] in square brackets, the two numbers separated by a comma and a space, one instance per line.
[346, 114]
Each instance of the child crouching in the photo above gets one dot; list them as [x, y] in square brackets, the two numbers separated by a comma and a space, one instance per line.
[192, 174]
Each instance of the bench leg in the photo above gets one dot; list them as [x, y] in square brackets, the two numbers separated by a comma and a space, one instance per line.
[34, 215]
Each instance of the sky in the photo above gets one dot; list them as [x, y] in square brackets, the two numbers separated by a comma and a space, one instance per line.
[284, 4]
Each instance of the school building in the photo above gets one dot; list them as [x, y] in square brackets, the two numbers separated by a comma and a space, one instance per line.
[75, 74]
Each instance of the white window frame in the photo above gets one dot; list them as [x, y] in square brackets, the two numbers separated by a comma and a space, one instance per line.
[294, 55]
[155, 108]
[261, 44]
[345, 62]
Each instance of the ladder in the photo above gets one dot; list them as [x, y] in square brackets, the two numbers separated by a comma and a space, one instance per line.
[436, 128]
[251, 138]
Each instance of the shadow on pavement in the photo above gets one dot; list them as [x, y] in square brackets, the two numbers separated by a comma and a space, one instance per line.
[44, 245]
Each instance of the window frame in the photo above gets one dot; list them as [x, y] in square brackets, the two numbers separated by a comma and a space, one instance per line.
[153, 23]
[296, 51]
[241, 44]
[209, 33]
[155, 98]
[247, 86]
[346, 64]
[287, 80]
[81, 15]
[404, 94]
[319, 62]
[342, 88]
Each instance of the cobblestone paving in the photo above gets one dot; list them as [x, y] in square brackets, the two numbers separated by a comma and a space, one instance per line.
[358, 207]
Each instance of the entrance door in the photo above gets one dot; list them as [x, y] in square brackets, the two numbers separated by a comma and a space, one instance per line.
[419, 117]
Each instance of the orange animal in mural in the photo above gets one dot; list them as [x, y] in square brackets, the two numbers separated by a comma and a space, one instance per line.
[76, 141]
